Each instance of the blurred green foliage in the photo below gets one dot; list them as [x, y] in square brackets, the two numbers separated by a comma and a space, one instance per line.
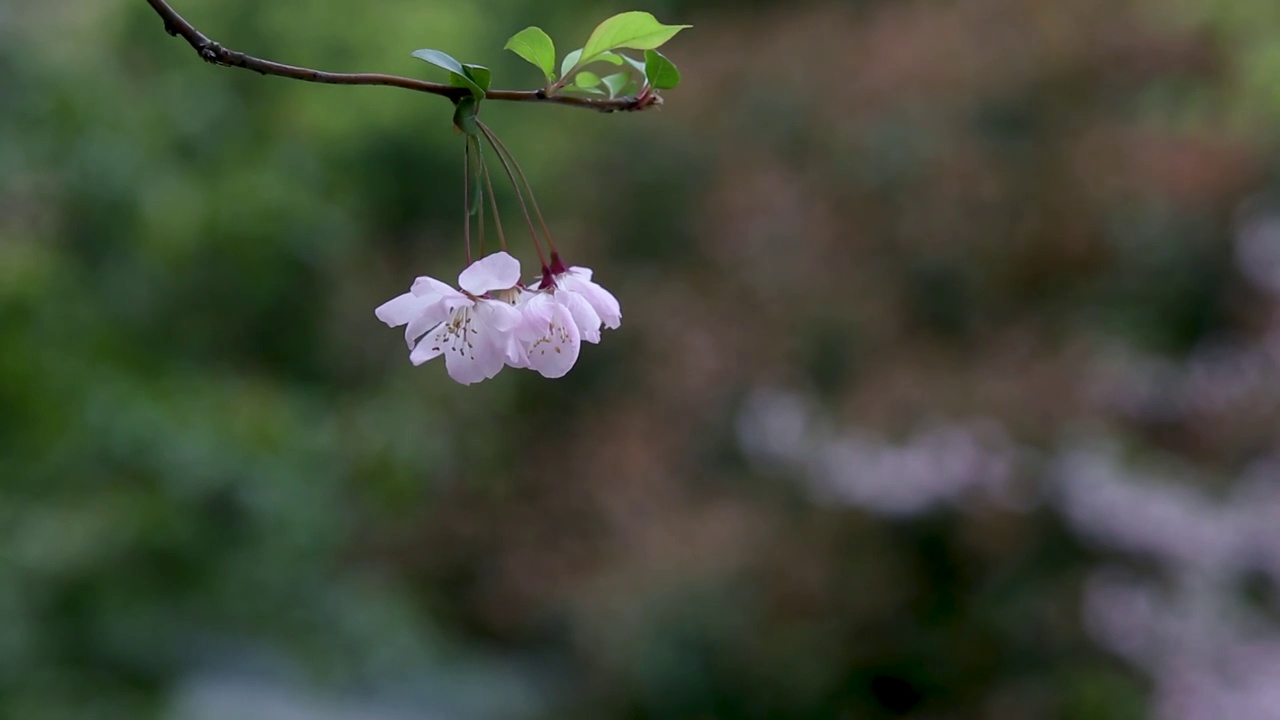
[211, 453]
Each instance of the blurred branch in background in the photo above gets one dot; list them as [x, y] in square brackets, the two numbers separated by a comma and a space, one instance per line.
[213, 52]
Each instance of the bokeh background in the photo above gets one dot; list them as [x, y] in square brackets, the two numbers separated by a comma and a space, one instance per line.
[948, 384]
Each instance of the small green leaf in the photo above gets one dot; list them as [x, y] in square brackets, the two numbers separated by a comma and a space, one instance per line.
[659, 71]
[586, 79]
[589, 90]
[464, 115]
[616, 82]
[635, 30]
[446, 62]
[570, 62]
[535, 46]
[479, 74]
[637, 64]
[633, 87]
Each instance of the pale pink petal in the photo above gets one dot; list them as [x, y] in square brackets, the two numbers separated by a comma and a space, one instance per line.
[536, 314]
[431, 346]
[472, 351]
[478, 358]
[432, 289]
[578, 279]
[584, 316]
[498, 315]
[554, 351]
[436, 311]
[516, 354]
[498, 271]
[425, 286]
[401, 309]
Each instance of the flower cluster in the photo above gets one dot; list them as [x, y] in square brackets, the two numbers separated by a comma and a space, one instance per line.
[496, 321]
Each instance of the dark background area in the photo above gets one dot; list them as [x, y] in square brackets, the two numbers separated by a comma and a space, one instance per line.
[948, 383]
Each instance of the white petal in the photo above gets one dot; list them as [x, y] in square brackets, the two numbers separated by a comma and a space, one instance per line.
[515, 354]
[584, 316]
[602, 301]
[498, 271]
[429, 347]
[535, 317]
[480, 360]
[554, 351]
[450, 299]
[401, 309]
[425, 286]
[497, 315]
[472, 351]
[437, 310]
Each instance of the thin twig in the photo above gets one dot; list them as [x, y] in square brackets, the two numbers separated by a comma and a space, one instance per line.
[480, 209]
[493, 203]
[466, 196]
[216, 54]
[501, 148]
[524, 209]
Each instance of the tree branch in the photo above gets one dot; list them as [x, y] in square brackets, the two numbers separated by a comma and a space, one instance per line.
[215, 53]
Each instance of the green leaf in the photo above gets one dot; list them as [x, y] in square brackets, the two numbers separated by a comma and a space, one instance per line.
[445, 61]
[535, 46]
[479, 74]
[633, 85]
[637, 64]
[464, 116]
[616, 82]
[659, 71]
[570, 62]
[635, 30]
[588, 90]
[586, 79]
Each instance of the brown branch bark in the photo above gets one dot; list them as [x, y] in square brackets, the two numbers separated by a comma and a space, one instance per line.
[216, 54]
